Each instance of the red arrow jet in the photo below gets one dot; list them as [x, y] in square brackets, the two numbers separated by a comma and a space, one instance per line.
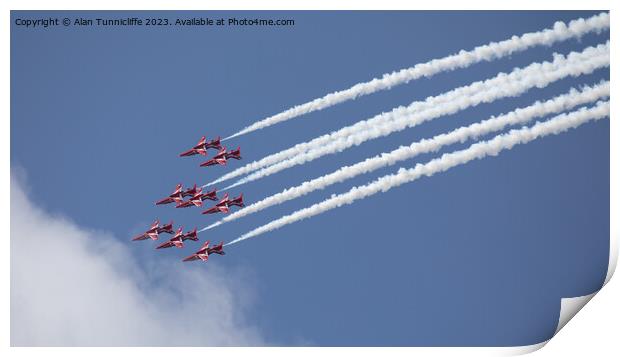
[218, 159]
[179, 237]
[210, 195]
[202, 146]
[198, 198]
[154, 231]
[237, 201]
[234, 154]
[190, 191]
[224, 205]
[204, 252]
[221, 206]
[176, 196]
[222, 157]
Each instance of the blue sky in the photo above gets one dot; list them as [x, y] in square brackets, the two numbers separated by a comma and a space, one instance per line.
[479, 255]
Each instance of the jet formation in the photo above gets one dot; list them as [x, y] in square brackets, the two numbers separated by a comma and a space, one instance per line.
[196, 197]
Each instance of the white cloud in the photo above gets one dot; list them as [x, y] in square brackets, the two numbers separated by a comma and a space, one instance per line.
[71, 286]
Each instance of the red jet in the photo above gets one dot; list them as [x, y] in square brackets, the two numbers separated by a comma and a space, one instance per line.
[176, 196]
[202, 146]
[224, 205]
[237, 201]
[210, 195]
[190, 191]
[222, 156]
[218, 159]
[204, 252]
[198, 198]
[179, 237]
[234, 154]
[154, 231]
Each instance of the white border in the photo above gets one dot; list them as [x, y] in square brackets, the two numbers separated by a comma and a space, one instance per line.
[603, 322]
[312, 5]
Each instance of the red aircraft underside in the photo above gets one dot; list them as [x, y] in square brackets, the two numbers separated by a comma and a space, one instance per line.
[221, 206]
[218, 159]
[204, 252]
[179, 237]
[237, 201]
[234, 154]
[154, 230]
[196, 200]
[222, 157]
[210, 195]
[202, 146]
[190, 191]
[224, 205]
[176, 196]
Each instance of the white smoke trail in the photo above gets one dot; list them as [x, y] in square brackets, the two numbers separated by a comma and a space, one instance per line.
[474, 88]
[513, 84]
[462, 59]
[558, 104]
[478, 150]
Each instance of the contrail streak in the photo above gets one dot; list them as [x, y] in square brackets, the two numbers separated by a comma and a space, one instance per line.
[430, 102]
[478, 150]
[462, 59]
[539, 109]
[513, 84]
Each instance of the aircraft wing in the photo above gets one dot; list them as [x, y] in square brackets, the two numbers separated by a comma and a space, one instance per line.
[189, 152]
[181, 204]
[167, 244]
[211, 210]
[164, 201]
[140, 237]
[191, 257]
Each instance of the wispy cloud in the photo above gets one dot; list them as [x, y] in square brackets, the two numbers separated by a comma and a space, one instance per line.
[72, 286]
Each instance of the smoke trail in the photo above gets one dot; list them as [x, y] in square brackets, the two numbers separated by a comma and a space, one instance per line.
[558, 104]
[478, 150]
[474, 88]
[462, 59]
[516, 83]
